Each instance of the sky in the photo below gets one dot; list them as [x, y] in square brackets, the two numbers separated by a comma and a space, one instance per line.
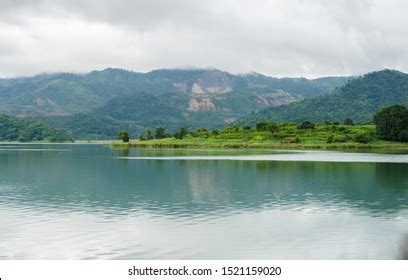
[275, 37]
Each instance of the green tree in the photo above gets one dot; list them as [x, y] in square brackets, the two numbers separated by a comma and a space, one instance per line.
[306, 125]
[392, 123]
[348, 121]
[330, 139]
[181, 133]
[362, 138]
[262, 125]
[15, 129]
[149, 134]
[266, 126]
[200, 132]
[146, 135]
[124, 136]
[159, 133]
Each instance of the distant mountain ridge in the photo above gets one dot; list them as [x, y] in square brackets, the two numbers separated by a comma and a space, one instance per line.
[168, 97]
[358, 99]
[55, 94]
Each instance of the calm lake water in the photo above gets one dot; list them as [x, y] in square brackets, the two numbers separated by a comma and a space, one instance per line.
[93, 202]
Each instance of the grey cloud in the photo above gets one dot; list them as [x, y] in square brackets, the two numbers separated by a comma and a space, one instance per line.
[139, 14]
[276, 37]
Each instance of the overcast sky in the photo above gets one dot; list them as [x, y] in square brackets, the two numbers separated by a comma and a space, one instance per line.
[274, 37]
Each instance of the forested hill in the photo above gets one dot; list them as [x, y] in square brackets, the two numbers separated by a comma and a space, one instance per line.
[15, 129]
[359, 99]
[97, 104]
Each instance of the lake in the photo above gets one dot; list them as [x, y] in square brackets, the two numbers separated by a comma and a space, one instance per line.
[92, 202]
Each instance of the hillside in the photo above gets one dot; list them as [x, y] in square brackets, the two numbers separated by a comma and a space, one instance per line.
[359, 99]
[15, 129]
[126, 99]
[299, 87]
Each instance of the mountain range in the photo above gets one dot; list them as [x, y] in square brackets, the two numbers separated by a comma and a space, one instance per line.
[96, 105]
[359, 99]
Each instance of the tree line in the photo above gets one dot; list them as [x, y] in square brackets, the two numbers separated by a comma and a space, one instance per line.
[391, 124]
[15, 129]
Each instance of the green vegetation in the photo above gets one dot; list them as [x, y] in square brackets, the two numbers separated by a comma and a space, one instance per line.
[15, 129]
[348, 121]
[159, 133]
[272, 135]
[147, 135]
[392, 123]
[181, 133]
[306, 125]
[90, 127]
[358, 100]
[124, 136]
[94, 105]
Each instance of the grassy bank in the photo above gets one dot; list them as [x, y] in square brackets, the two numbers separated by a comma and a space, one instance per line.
[285, 136]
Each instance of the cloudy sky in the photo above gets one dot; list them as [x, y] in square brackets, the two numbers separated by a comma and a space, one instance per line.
[274, 37]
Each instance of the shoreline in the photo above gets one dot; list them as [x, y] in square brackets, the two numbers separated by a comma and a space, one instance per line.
[79, 142]
[181, 144]
[171, 143]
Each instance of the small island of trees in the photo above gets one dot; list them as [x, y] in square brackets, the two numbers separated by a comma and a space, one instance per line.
[389, 124]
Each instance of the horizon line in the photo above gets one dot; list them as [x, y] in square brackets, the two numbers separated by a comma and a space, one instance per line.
[193, 68]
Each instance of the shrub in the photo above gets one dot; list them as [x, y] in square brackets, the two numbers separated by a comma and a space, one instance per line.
[348, 121]
[342, 129]
[147, 135]
[290, 140]
[262, 125]
[273, 127]
[181, 133]
[266, 126]
[363, 138]
[307, 125]
[233, 128]
[159, 133]
[330, 139]
[124, 136]
[200, 132]
[341, 139]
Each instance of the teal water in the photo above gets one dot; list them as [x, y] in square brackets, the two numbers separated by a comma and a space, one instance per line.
[93, 202]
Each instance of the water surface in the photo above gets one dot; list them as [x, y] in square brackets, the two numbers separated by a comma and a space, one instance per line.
[92, 202]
